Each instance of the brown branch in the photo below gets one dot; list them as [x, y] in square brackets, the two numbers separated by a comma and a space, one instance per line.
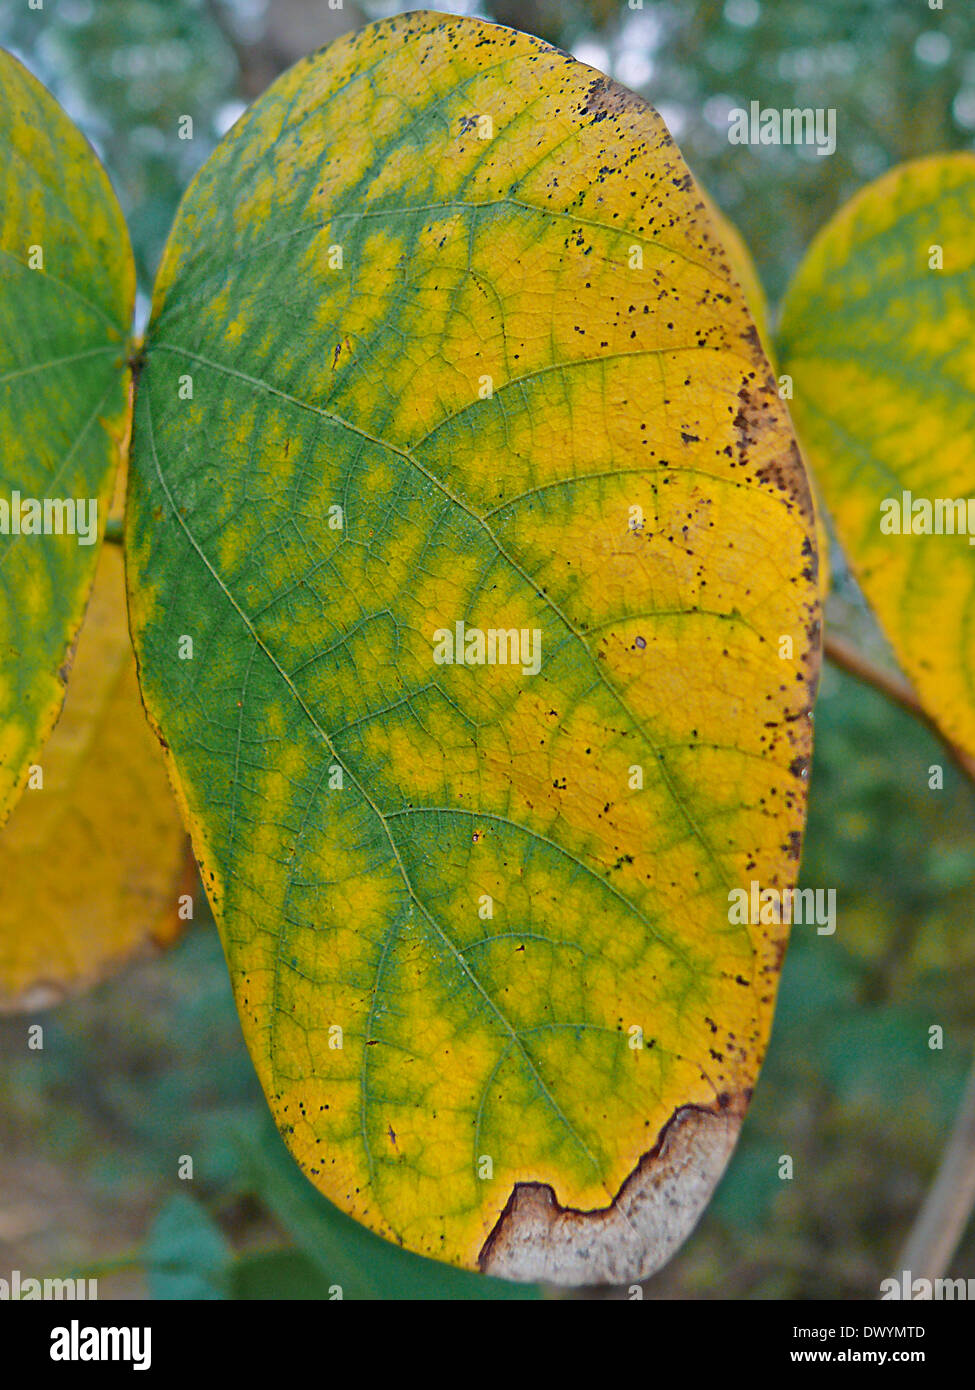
[845, 655]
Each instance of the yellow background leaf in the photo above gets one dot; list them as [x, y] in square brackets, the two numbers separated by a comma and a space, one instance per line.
[93, 862]
[881, 346]
[67, 288]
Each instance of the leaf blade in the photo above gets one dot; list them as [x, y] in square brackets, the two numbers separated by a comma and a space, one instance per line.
[330, 663]
[67, 289]
[877, 343]
[97, 858]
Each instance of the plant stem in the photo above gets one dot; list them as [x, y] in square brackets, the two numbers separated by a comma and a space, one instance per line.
[941, 1222]
[112, 1265]
[945, 1212]
[843, 654]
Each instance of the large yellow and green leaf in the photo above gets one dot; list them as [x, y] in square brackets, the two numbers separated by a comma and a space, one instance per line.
[878, 332]
[67, 286]
[442, 334]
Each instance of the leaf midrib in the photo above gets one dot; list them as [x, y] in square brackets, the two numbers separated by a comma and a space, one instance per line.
[508, 1027]
[407, 456]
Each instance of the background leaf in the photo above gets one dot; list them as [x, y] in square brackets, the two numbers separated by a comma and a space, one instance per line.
[880, 348]
[187, 1255]
[64, 394]
[278, 1274]
[93, 862]
[362, 386]
[344, 1253]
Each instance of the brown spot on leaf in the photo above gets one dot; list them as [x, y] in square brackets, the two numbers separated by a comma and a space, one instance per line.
[64, 670]
[607, 98]
[755, 418]
[751, 337]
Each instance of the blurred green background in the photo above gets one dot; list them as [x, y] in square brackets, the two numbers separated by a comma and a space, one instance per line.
[151, 1065]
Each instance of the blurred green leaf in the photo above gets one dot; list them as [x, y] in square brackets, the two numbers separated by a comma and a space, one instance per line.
[363, 1264]
[279, 1274]
[186, 1255]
